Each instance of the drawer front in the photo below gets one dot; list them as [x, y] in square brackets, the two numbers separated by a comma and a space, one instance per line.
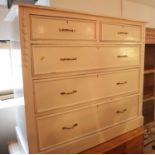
[49, 59]
[58, 93]
[115, 112]
[111, 32]
[62, 29]
[57, 129]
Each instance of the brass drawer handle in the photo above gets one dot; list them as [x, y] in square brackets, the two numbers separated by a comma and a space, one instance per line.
[122, 56]
[124, 33]
[121, 83]
[68, 59]
[69, 93]
[66, 30]
[121, 111]
[68, 128]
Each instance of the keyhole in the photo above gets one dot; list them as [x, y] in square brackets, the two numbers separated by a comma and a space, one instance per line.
[42, 58]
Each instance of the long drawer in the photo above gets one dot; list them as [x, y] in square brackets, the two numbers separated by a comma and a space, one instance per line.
[120, 32]
[52, 59]
[51, 94]
[56, 129]
[48, 28]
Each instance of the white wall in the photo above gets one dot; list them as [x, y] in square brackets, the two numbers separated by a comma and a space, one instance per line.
[14, 32]
[130, 9]
[139, 12]
[43, 2]
[104, 7]
[5, 27]
[7, 115]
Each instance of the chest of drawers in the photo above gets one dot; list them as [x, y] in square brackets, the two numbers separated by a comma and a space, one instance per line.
[82, 77]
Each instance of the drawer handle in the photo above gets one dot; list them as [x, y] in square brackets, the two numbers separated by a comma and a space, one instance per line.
[121, 111]
[121, 83]
[68, 128]
[66, 30]
[124, 33]
[69, 93]
[68, 59]
[122, 56]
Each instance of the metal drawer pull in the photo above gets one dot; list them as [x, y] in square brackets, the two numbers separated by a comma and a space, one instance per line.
[66, 30]
[68, 128]
[121, 83]
[69, 93]
[125, 33]
[122, 56]
[120, 112]
[68, 59]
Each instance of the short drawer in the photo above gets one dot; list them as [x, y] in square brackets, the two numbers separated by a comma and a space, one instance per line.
[113, 32]
[115, 112]
[48, 28]
[51, 94]
[56, 59]
[64, 127]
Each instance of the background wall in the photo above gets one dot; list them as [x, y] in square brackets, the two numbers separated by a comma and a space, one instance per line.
[117, 8]
[7, 114]
[139, 12]
[5, 27]
[14, 30]
[105, 7]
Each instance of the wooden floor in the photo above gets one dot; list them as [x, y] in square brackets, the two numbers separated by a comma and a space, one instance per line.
[129, 143]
